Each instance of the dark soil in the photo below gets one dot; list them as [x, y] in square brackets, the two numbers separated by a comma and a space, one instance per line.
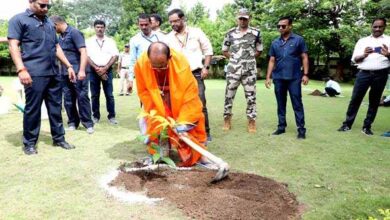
[239, 196]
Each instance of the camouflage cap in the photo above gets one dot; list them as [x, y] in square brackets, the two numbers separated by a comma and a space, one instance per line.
[243, 13]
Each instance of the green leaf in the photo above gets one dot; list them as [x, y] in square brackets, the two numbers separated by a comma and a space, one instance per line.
[142, 138]
[156, 157]
[154, 146]
[168, 161]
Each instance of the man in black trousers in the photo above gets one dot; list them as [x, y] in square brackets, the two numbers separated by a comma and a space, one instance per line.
[38, 72]
[76, 100]
[372, 57]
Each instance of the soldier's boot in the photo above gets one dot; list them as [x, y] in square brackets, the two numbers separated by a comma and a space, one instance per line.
[252, 126]
[227, 123]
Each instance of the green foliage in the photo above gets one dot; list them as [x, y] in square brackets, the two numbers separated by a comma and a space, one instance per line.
[3, 32]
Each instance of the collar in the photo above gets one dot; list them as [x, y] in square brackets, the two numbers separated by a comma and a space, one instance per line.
[31, 14]
[186, 31]
[150, 36]
[67, 30]
[372, 36]
[103, 39]
[292, 35]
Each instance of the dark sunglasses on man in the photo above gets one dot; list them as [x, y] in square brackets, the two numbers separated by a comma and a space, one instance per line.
[281, 26]
[48, 6]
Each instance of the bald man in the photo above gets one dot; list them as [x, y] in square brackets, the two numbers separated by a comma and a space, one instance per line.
[158, 72]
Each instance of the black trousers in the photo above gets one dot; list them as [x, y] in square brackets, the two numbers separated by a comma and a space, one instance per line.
[48, 89]
[76, 102]
[293, 87]
[202, 96]
[108, 89]
[331, 92]
[376, 81]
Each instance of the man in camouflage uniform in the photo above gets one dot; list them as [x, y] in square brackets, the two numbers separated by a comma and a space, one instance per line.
[241, 46]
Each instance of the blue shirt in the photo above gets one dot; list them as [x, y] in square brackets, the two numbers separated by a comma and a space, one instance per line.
[139, 44]
[38, 42]
[288, 61]
[71, 41]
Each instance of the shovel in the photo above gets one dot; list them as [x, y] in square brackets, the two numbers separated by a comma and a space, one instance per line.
[223, 167]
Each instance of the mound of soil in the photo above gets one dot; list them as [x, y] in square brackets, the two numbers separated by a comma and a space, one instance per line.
[239, 196]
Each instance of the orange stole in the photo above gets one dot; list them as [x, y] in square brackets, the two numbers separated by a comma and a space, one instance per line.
[185, 103]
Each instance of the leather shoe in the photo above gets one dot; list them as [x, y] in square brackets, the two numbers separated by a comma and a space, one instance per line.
[29, 150]
[64, 145]
[301, 135]
[278, 132]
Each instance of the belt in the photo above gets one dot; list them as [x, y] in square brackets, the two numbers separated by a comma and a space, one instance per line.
[385, 70]
[197, 72]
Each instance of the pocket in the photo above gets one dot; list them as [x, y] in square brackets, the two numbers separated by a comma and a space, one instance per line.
[35, 34]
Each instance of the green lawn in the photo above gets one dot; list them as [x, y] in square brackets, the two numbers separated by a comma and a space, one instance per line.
[336, 175]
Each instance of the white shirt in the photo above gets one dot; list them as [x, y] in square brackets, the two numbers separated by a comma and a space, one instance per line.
[193, 43]
[374, 61]
[124, 59]
[333, 84]
[101, 51]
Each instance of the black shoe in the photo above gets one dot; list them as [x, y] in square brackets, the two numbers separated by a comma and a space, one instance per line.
[344, 128]
[29, 150]
[279, 131]
[301, 135]
[367, 131]
[64, 145]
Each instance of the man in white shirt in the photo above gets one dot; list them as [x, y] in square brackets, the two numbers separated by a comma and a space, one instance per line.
[123, 71]
[102, 54]
[372, 57]
[332, 88]
[140, 42]
[195, 45]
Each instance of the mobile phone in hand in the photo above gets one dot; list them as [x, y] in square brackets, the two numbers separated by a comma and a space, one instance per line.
[377, 49]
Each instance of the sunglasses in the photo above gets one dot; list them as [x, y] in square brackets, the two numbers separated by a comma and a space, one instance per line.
[48, 6]
[242, 19]
[281, 26]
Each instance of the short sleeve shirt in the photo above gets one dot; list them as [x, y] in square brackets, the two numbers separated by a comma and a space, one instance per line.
[193, 43]
[38, 42]
[288, 61]
[100, 51]
[243, 46]
[71, 41]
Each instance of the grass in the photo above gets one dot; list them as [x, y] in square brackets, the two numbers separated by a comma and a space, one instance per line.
[336, 175]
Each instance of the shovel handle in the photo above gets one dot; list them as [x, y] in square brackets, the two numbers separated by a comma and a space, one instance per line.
[202, 151]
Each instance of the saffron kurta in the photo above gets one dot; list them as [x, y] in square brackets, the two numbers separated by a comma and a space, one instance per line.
[185, 105]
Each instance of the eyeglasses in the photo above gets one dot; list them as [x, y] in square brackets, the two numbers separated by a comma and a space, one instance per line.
[48, 6]
[281, 26]
[160, 68]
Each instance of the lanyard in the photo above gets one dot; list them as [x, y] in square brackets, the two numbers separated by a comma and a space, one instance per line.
[148, 39]
[100, 45]
[182, 43]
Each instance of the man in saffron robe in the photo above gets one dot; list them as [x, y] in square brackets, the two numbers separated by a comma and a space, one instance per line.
[166, 84]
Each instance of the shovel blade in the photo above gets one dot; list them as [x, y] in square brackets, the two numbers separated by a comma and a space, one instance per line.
[222, 173]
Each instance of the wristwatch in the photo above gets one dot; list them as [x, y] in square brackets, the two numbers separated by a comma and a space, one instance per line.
[70, 66]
